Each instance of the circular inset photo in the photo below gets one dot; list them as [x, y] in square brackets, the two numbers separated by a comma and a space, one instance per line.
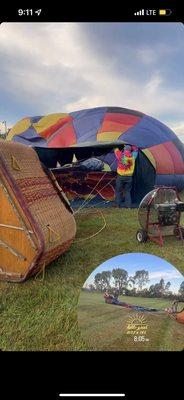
[133, 302]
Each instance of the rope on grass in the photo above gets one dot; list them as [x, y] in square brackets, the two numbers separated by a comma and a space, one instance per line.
[96, 204]
[96, 233]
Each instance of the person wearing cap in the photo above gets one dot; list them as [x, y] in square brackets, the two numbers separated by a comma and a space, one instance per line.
[125, 169]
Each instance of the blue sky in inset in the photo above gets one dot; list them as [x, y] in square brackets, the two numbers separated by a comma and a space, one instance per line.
[131, 262]
[62, 67]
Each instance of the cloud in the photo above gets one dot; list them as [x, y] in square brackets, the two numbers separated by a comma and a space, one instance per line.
[154, 83]
[147, 56]
[54, 67]
[168, 275]
[178, 128]
[152, 54]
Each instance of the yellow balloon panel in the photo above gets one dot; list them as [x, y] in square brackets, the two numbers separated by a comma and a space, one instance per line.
[150, 157]
[108, 136]
[47, 121]
[20, 127]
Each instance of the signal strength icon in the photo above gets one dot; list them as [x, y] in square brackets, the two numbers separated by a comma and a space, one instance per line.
[140, 12]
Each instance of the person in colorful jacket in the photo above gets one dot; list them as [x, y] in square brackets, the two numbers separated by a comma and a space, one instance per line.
[125, 169]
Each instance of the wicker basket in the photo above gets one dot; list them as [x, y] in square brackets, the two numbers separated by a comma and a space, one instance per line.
[36, 221]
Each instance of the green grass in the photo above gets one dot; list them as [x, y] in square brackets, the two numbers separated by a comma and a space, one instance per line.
[42, 315]
[104, 326]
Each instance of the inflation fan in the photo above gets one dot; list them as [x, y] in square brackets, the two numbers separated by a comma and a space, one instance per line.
[159, 215]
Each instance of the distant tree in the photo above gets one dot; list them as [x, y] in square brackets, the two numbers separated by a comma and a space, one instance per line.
[131, 292]
[181, 289]
[131, 282]
[160, 289]
[141, 278]
[91, 287]
[120, 277]
[143, 293]
[106, 276]
[152, 290]
[102, 280]
[167, 287]
[98, 282]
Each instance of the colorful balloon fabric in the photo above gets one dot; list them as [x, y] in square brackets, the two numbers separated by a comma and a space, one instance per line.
[87, 185]
[102, 126]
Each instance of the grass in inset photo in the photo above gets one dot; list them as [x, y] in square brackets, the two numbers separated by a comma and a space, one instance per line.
[105, 326]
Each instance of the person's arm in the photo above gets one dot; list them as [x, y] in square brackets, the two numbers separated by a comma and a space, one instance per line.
[134, 152]
[118, 153]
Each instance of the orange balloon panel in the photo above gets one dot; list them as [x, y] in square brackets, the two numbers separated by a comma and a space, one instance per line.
[109, 126]
[164, 160]
[65, 138]
[176, 157]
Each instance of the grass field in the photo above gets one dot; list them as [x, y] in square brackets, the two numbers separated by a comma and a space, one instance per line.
[104, 326]
[42, 315]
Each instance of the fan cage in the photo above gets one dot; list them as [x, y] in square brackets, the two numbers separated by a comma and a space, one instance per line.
[148, 210]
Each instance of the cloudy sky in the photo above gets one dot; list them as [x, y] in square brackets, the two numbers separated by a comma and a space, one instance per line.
[157, 267]
[62, 67]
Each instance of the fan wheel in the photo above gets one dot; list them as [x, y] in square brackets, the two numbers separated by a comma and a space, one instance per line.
[141, 236]
[177, 231]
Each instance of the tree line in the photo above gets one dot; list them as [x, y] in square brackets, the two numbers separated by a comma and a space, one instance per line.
[118, 281]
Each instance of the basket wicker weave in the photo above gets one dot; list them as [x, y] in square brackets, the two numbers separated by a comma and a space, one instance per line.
[36, 221]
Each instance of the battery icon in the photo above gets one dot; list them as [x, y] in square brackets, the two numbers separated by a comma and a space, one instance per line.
[165, 12]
